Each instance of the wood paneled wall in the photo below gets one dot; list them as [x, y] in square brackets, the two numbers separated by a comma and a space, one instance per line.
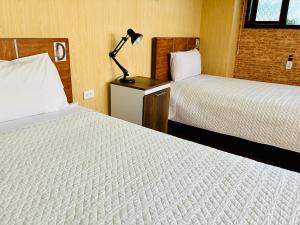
[219, 33]
[263, 54]
[94, 27]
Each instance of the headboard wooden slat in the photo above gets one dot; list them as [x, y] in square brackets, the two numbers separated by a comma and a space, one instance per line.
[33, 46]
[161, 49]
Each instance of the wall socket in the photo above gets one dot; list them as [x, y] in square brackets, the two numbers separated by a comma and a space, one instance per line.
[88, 94]
[289, 63]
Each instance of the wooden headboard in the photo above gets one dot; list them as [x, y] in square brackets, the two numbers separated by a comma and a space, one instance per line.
[161, 49]
[13, 48]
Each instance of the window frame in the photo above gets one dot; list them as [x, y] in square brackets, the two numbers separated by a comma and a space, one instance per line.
[250, 20]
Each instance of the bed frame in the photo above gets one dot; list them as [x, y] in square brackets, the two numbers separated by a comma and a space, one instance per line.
[13, 48]
[160, 70]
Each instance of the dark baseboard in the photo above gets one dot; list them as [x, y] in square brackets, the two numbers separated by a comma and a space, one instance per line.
[263, 153]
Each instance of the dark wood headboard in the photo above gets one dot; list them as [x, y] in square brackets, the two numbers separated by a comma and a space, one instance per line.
[161, 49]
[12, 48]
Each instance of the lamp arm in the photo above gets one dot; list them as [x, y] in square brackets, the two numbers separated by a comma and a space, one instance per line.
[118, 47]
[114, 53]
[125, 72]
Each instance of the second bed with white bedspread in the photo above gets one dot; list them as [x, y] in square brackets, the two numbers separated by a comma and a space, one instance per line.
[261, 112]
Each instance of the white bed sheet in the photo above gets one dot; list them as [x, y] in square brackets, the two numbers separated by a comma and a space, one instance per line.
[90, 169]
[31, 120]
[261, 112]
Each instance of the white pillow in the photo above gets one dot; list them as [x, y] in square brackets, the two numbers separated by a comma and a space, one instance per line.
[30, 86]
[185, 64]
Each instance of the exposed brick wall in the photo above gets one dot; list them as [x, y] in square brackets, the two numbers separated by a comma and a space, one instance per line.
[263, 53]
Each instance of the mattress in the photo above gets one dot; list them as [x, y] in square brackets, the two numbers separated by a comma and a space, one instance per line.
[90, 169]
[261, 112]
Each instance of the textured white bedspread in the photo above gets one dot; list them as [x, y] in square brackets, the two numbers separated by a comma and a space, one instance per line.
[90, 169]
[261, 112]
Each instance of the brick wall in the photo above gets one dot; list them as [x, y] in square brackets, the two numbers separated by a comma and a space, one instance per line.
[263, 53]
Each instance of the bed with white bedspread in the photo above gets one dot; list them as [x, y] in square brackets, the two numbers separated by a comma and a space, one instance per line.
[261, 112]
[81, 167]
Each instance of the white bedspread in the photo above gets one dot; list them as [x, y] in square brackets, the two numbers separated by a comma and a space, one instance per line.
[89, 169]
[261, 112]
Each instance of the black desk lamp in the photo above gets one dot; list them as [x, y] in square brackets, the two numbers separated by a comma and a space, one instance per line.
[135, 39]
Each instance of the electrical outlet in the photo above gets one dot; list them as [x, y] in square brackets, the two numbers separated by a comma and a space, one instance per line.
[289, 65]
[88, 94]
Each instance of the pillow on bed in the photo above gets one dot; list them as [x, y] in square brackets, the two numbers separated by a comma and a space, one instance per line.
[30, 86]
[185, 64]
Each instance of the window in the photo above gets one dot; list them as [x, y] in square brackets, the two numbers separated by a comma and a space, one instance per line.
[293, 17]
[273, 14]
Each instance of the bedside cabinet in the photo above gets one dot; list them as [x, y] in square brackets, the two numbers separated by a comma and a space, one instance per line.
[146, 102]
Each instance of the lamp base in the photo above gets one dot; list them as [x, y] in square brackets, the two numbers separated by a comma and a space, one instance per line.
[127, 81]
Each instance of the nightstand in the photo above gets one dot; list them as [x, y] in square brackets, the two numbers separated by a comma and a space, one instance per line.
[146, 102]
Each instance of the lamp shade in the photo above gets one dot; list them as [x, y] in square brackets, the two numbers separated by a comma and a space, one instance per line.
[135, 37]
